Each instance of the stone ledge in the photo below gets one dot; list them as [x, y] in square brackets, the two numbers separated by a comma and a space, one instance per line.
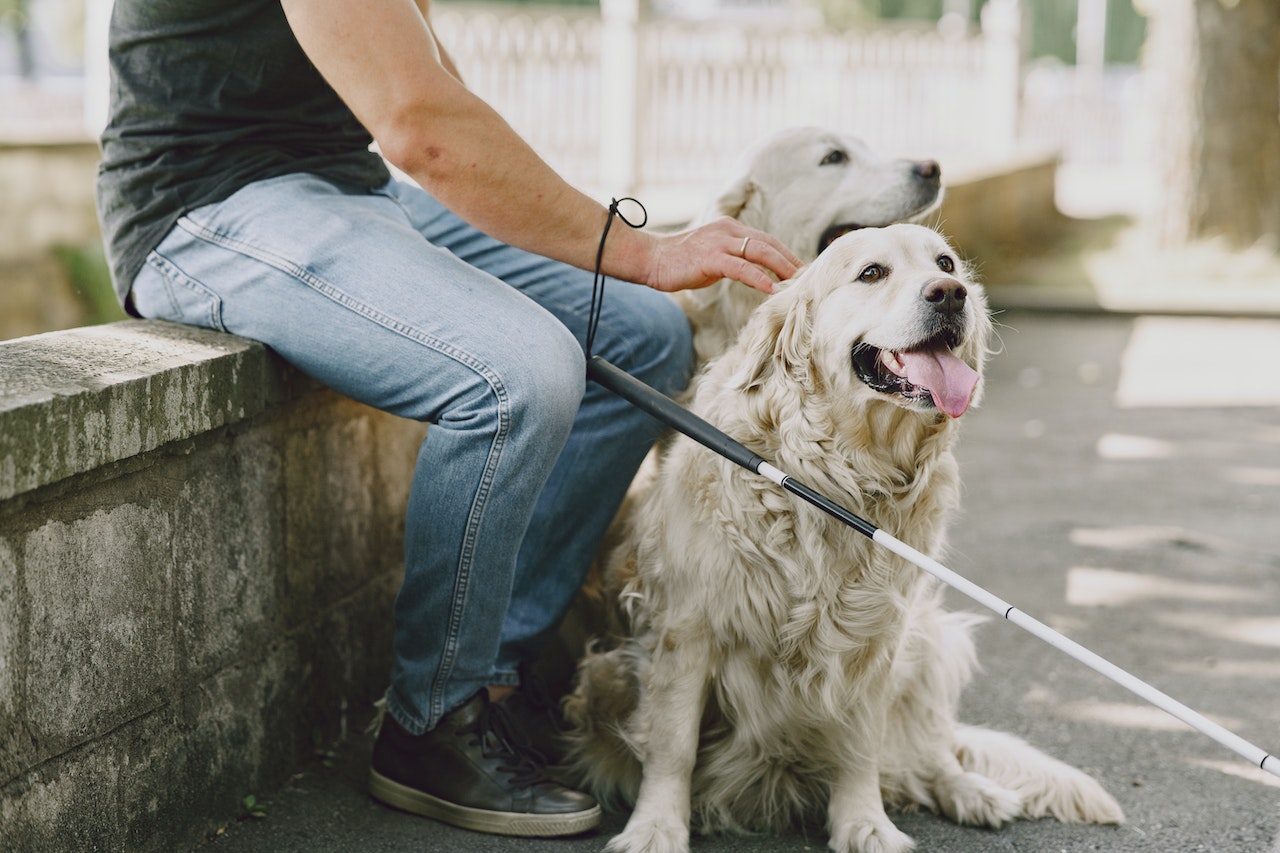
[74, 401]
[199, 549]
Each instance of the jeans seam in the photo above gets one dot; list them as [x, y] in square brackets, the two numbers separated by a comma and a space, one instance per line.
[479, 504]
[170, 273]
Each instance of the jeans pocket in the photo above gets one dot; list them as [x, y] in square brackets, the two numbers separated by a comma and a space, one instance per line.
[162, 291]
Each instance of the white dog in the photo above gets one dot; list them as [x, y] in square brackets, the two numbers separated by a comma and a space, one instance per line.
[778, 665]
[806, 186]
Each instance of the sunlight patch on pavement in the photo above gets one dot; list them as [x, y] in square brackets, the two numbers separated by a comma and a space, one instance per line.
[1263, 632]
[1252, 476]
[1267, 435]
[1240, 769]
[1088, 587]
[1120, 447]
[1131, 537]
[1122, 715]
[1200, 361]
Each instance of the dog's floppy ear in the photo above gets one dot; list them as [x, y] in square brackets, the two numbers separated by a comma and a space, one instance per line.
[740, 200]
[776, 339]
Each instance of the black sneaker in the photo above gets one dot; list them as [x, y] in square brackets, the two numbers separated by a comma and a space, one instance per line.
[469, 771]
[536, 721]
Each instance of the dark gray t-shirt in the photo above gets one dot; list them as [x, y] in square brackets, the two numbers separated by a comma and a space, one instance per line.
[206, 97]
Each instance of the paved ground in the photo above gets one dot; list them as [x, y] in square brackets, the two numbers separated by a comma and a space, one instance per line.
[1122, 485]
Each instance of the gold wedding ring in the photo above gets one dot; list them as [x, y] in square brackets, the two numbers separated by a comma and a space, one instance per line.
[743, 251]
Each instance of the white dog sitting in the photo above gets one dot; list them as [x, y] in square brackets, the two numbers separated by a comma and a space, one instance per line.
[777, 666]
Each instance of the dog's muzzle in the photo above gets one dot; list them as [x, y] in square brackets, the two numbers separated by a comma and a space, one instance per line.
[928, 373]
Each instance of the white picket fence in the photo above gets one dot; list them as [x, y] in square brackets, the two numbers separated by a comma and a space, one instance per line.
[614, 100]
[617, 101]
[620, 101]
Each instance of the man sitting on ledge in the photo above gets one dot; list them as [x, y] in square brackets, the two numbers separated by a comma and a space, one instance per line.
[238, 192]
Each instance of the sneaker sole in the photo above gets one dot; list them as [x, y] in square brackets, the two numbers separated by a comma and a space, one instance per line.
[481, 820]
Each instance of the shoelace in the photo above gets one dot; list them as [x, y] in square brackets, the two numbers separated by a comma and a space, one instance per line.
[497, 738]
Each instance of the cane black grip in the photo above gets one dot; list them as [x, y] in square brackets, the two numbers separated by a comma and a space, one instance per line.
[670, 412]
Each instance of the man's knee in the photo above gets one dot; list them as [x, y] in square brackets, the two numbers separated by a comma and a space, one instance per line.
[546, 378]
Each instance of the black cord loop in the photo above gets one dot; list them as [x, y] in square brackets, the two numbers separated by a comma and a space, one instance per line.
[597, 281]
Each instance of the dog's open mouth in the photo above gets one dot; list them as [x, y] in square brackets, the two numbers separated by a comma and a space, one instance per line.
[928, 372]
[835, 232]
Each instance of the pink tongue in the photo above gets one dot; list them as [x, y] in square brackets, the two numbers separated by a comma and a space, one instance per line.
[949, 380]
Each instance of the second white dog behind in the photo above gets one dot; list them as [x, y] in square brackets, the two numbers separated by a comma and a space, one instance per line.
[806, 186]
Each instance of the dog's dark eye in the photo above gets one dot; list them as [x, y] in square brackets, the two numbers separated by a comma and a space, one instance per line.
[834, 158]
[946, 264]
[872, 273]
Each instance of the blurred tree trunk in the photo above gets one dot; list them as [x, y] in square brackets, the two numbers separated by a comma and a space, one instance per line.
[1217, 66]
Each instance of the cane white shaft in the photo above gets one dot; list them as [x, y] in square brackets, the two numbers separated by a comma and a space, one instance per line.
[672, 414]
[1197, 721]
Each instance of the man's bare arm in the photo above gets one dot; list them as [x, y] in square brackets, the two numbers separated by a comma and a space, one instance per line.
[383, 60]
[424, 6]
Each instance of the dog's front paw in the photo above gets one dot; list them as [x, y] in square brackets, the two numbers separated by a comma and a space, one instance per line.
[651, 836]
[1077, 799]
[876, 835]
[975, 800]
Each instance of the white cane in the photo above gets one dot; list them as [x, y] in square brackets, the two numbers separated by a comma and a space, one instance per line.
[669, 412]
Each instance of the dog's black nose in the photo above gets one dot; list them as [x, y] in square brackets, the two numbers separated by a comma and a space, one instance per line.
[946, 295]
[928, 169]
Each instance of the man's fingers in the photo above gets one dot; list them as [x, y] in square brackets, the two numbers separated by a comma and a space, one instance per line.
[753, 276]
[762, 252]
[790, 257]
[755, 255]
[724, 248]
[768, 252]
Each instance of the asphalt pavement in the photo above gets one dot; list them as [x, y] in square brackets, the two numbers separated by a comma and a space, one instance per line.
[1122, 485]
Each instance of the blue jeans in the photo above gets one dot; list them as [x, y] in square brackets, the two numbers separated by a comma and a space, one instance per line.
[390, 299]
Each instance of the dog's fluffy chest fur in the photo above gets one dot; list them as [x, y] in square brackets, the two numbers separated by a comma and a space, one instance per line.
[808, 599]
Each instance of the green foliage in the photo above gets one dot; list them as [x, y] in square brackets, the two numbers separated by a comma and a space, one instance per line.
[1126, 32]
[90, 279]
[13, 12]
[1051, 23]
[546, 2]
[254, 807]
[326, 753]
[928, 10]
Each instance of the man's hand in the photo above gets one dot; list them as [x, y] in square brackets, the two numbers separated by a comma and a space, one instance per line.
[698, 257]
[724, 248]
